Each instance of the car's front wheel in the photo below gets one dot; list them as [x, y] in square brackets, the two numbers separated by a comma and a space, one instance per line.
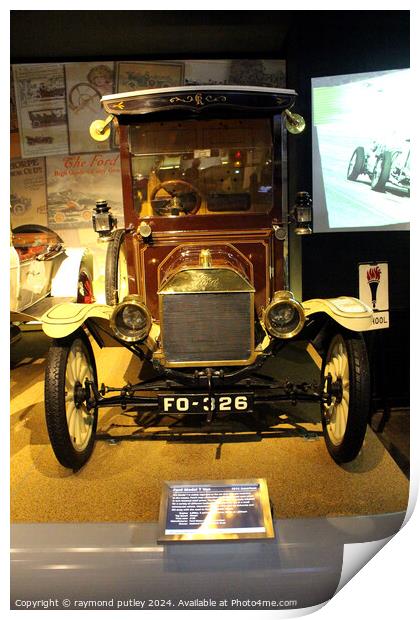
[116, 271]
[356, 164]
[71, 424]
[345, 377]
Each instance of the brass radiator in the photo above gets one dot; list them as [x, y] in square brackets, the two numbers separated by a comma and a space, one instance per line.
[214, 326]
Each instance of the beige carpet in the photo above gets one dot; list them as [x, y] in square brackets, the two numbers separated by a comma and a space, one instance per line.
[123, 480]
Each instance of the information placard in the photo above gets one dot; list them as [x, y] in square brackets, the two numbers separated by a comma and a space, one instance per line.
[215, 510]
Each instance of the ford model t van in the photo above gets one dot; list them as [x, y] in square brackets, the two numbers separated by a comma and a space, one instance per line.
[196, 275]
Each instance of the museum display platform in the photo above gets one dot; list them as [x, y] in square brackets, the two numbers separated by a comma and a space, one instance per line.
[99, 526]
[122, 482]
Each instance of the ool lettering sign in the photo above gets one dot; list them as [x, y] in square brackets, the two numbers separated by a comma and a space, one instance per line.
[373, 290]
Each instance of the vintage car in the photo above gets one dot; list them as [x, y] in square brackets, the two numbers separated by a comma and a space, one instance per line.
[43, 272]
[197, 275]
[383, 164]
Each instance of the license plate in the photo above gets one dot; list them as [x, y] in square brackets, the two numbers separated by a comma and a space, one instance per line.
[202, 403]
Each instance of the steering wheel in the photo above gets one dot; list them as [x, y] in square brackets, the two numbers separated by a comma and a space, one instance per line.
[171, 187]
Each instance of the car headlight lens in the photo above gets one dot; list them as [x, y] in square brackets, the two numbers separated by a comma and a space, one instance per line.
[284, 316]
[131, 320]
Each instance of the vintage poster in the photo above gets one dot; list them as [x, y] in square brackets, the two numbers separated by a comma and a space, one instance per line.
[206, 72]
[28, 201]
[86, 83]
[271, 73]
[144, 75]
[41, 105]
[76, 182]
[14, 125]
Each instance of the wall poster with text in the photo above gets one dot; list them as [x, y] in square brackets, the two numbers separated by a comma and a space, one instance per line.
[76, 182]
[14, 123]
[41, 104]
[28, 201]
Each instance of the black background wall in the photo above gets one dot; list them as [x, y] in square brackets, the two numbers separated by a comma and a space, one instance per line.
[315, 44]
[327, 43]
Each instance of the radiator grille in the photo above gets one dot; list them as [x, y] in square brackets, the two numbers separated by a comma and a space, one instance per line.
[207, 327]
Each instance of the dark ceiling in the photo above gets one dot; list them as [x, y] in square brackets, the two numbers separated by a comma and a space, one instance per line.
[38, 36]
[66, 35]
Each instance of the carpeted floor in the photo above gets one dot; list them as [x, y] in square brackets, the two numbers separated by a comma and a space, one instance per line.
[123, 479]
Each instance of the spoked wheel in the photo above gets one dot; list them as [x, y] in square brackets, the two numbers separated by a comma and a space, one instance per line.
[345, 377]
[71, 424]
[116, 272]
[381, 172]
[356, 164]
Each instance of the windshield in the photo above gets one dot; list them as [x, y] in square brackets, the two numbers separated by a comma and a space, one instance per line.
[202, 167]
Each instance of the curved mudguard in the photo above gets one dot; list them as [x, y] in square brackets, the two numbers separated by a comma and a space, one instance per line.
[63, 319]
[66, 277]
[349, 312]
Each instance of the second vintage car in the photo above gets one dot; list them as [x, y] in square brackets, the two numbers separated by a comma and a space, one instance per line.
[44, 273]
[197, 275]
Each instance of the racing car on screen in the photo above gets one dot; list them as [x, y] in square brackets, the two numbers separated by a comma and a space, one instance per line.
[383, 165]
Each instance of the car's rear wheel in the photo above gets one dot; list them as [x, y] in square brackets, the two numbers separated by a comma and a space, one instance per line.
[71, 424]
[381, 172]
[356, 164]
[345, 376]
[116, 272]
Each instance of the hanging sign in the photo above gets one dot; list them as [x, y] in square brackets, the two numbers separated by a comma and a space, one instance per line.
[373, 290]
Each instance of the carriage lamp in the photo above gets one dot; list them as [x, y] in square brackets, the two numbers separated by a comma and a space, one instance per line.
[102, 220]
[131, 320]
[302, 214]
[284, 317]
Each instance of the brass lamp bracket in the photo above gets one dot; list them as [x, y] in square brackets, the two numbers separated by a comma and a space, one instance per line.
[100, 130]
[295, 123]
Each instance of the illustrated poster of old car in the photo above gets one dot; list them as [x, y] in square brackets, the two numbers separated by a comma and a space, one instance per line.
[73, 182]
[144, 75]
[41, 104]
[86, 83]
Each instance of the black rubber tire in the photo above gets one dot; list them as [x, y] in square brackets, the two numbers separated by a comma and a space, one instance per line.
[359, 165]
[34, 228]
[55, 410]
[385, 162]
[111, 268]
[359, 398]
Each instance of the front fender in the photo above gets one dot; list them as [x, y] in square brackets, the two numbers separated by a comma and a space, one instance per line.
[63, 319]
[350, 312]
[66, 276]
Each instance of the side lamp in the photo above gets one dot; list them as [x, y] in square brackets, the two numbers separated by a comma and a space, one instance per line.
[301, 215]
[103, 221]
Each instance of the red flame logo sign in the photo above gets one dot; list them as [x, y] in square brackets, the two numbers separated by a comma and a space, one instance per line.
[373, 276]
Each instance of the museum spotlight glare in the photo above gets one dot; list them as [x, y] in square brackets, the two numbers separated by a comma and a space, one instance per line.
[102, 220]
[131, 320]
[284, 317]
[302, 214]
